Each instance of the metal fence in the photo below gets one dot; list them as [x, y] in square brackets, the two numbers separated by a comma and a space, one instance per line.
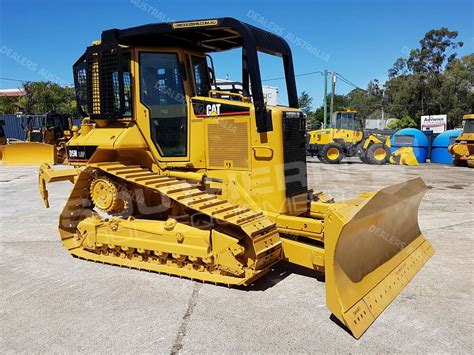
[13, 127]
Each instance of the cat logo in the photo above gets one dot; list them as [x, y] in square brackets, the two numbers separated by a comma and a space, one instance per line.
[213, 110]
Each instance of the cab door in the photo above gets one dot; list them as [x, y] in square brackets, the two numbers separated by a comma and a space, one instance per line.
[162, 93]
[358, 129]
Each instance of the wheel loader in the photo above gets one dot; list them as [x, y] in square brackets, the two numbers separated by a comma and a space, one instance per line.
[463, 148]
[346, 138]
[172, 176]
[46, 136]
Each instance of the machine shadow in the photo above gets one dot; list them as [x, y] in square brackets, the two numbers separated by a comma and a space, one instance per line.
[341, 325]
[280, 272]
[315, 160]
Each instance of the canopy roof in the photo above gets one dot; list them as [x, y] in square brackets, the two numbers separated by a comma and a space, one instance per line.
[208, 35]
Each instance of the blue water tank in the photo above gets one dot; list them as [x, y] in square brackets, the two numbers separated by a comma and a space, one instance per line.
[411, 137]
[439, 148]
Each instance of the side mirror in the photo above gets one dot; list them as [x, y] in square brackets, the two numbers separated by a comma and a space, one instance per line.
[210, 67]
[212, 75]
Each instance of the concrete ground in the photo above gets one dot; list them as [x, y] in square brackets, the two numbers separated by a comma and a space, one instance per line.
[51, 302]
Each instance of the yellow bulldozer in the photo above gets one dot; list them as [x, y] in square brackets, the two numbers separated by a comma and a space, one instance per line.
[346, 138]
[46, 137]
[173, 176]
[463, 148]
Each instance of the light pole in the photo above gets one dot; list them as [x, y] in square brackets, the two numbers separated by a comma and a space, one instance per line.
[333, 89]
[325, 123]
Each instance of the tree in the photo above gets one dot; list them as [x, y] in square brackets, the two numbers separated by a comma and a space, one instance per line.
[432, 80]
[455, 96]
[366, 101]
[405, 122]
[304, 102]
[436, 50]
[315, 119]
[42, 97]
[9, 105]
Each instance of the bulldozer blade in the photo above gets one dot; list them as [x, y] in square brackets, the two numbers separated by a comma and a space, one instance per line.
[372, 251]
[28, 153]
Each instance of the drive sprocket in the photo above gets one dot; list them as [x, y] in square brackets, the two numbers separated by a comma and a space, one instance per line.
[106, 195]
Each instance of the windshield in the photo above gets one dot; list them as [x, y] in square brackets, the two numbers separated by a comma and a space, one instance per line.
[344, 120]
[468, 126]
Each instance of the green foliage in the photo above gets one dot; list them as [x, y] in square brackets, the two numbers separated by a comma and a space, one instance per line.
[340, 103]
[313, 120]
[432, 80]
[304, 102]
[41, 97]
[9, 105]
[399, 123]
[366, 101]
[47, 96]
[434, 53]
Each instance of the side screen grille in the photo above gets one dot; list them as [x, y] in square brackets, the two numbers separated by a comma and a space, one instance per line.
[294, 150]
[103, 82]
[228, 144]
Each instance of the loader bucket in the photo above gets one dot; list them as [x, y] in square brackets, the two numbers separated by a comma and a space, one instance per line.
[372, 251]
[404, 156]
[28, 153]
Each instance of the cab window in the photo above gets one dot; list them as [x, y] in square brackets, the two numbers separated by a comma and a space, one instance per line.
[201, 77]
[162, 92]
[347, 120]
[468, 126]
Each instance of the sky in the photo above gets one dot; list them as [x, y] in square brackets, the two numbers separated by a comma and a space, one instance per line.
[40, 40]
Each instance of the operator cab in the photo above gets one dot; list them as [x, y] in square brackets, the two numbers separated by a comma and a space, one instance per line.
[468, 124]
[174, 71]
[348, 120]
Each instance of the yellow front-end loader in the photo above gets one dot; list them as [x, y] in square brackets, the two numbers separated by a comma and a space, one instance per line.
[345, 137]
[175, 177]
